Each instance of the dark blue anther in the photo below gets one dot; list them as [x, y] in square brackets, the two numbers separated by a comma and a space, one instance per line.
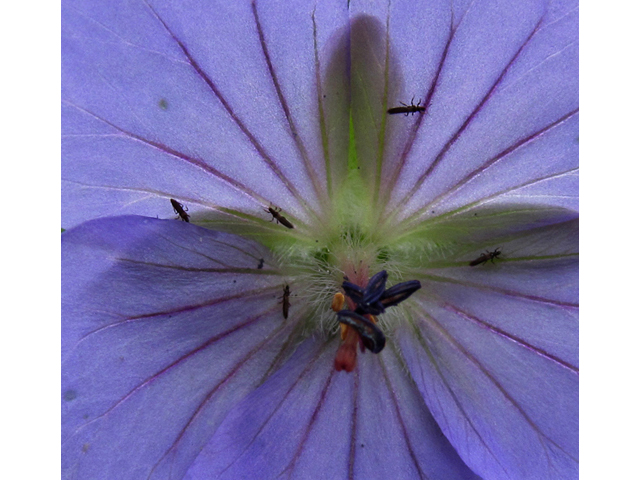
[372, 337]
[399, 292]
[354, 292]
[374, 299]
[374, 289]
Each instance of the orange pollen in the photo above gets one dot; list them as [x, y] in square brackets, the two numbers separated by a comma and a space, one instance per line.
[338, 302]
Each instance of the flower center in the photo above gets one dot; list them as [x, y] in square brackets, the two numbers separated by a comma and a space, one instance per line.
[358, 323]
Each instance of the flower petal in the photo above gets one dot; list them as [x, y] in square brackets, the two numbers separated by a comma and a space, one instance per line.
[494, 352]
[526, 267]
[165, 101]
[499, 79]
[165, 327]
[309, 421]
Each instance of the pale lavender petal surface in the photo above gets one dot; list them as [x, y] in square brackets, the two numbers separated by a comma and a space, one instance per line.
[174, 100]
[165, 327]
[309, 421]
[494, 352]
[500, 80]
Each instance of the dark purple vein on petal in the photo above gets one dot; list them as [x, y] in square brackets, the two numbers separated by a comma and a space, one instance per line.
[287, 348]
[160, 193]
[323, 121]
[444, 422]
[175, 311]
[173, 364]
[506, 152]
[225, 267]
[467, 121]
[512, 338]
[405, 435]
[236, 368]
[302, 375]
[510, 293]
[354, 423]
[421, 340]
[202, 254]
[527, 184]
[488, 198]
[309, 426]
[283, 102]
[473, 360]
[196, 162]
[254, 141]
[182, 268]
[122, 40]
[400, 164]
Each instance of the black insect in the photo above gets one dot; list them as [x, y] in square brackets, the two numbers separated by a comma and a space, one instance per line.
[408, 109]
[485, 257]
[180, 210]
[284, 300]
[372, 337]
[275, 211]
[261, 264]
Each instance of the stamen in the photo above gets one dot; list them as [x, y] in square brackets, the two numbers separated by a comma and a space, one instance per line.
[399, 293]
[370, 335]
[374, 299]
[359, 323]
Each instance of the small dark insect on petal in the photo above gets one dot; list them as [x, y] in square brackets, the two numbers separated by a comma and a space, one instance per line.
[481, 259]
[485, 257]
[372, 337]
[284, 300]
[180, 209]
[279, 218]
[261, 264]
[408, 109]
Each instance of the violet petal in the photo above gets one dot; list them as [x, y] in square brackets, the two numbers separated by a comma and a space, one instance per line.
[309, 421]
[500, 80]
[160, 101]
[165, 327]
[494, 352]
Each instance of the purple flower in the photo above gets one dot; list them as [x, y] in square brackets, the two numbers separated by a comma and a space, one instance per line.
[209, 349]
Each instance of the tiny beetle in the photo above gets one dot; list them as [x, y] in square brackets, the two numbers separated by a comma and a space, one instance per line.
[485, 257]
[180, 210]
[261, 264]
[285, 301]
[279, 218]
[408, 109]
